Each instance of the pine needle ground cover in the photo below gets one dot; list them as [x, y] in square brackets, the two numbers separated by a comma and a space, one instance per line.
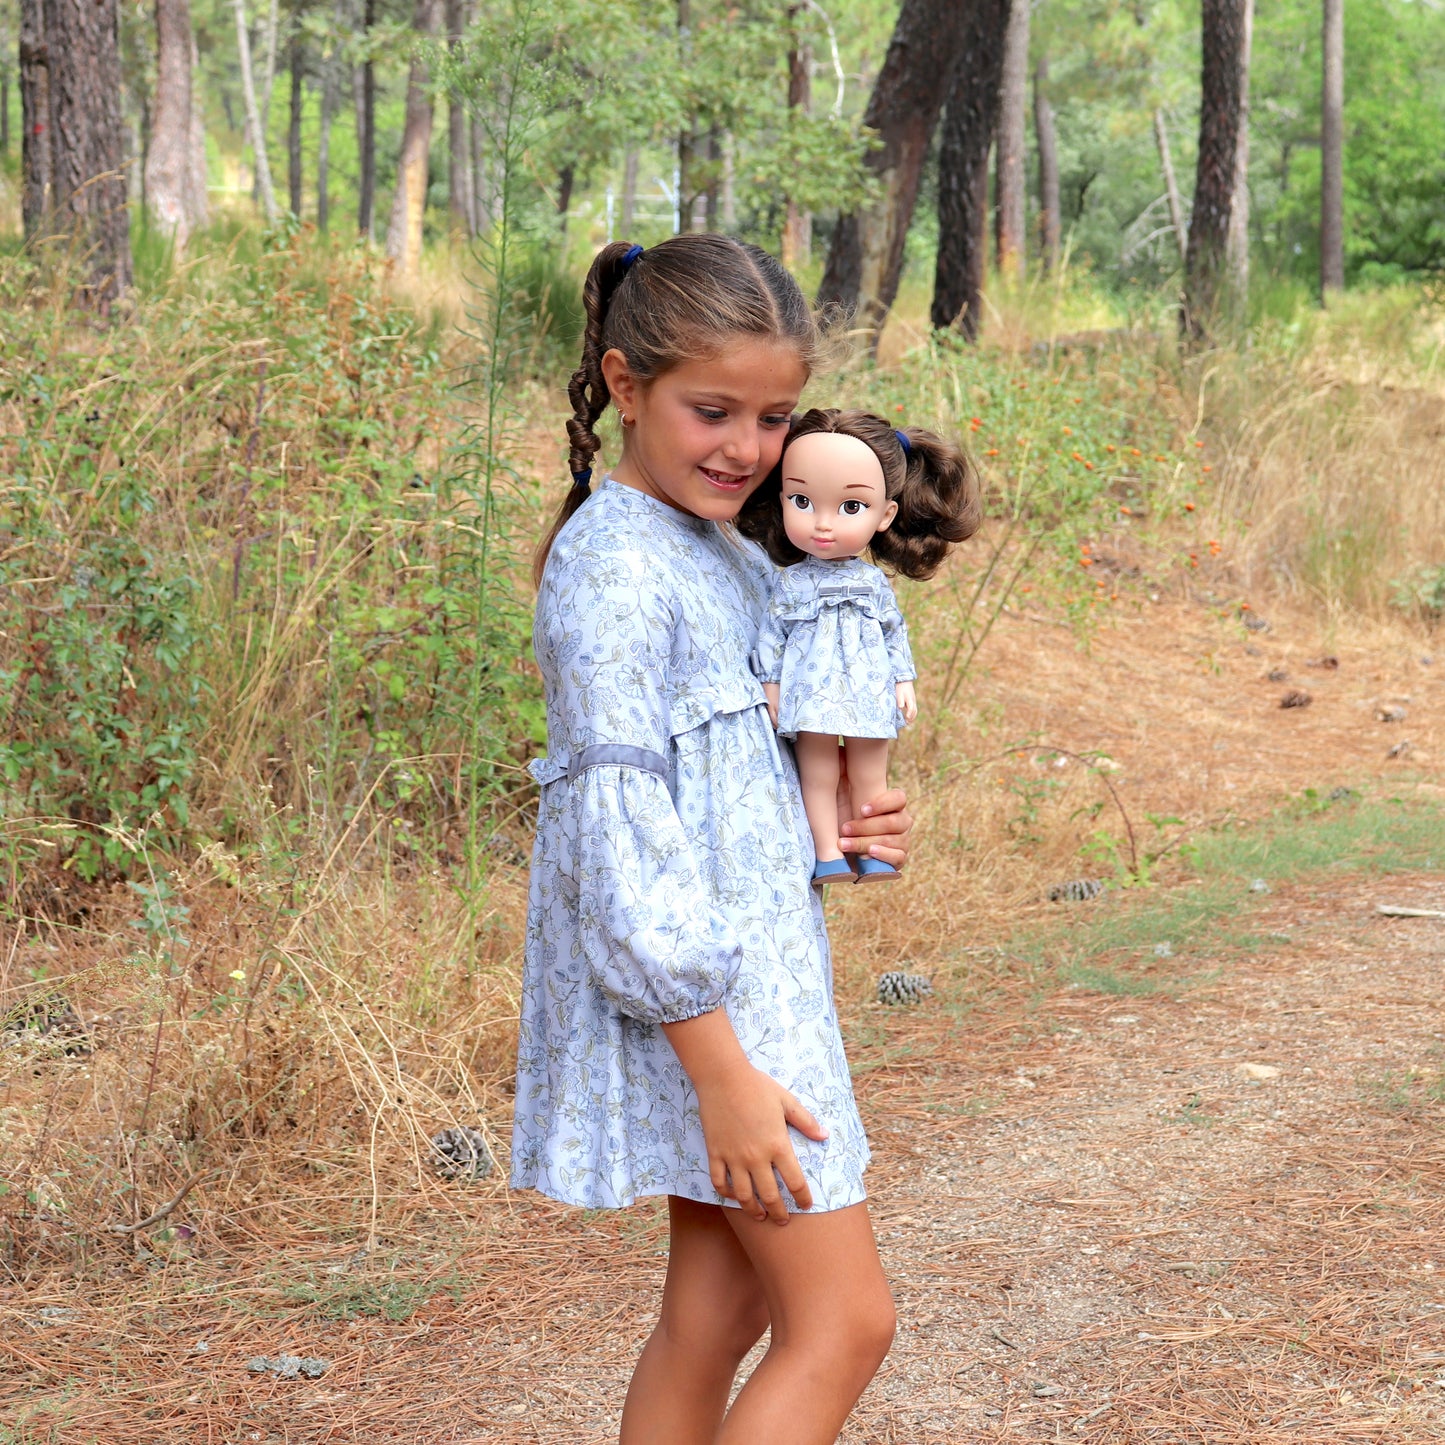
[289, 983]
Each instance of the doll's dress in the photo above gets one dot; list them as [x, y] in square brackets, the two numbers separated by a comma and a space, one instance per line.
[671, 871]
[836, 644]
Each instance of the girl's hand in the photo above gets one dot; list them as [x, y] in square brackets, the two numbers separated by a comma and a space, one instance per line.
[907, 700]
[882, 829]
[745, 1118]
[772, 691]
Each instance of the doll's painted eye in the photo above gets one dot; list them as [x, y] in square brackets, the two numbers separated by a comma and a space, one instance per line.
[853, 507]
[802, 503]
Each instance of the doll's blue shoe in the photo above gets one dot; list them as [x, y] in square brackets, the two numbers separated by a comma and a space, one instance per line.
[875, 870]
[831, 872]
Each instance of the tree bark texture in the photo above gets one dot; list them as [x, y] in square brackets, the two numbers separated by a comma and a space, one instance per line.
[170, 172]
[1332, 151]
[1048, 144]
[408, 203]
[75, 136]
[263, 188]
[6, 52]
[969, 118]
[366, 130]
[1239, 209]
[866, 255]
[330, 68]
[459, 161]
[1206, 256]
[1011, 145]
[629, 190]
[296, 63]
[798, 223]
[200, 196]
[1171, 184]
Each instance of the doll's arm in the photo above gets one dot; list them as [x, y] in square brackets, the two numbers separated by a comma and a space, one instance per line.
[895, 638]
[907, 700]
[774, 695]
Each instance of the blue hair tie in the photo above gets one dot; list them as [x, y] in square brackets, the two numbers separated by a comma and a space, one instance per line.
[583, 479]
[629, 256]
[904, 443]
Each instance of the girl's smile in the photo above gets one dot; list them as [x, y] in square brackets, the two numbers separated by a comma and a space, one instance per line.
[702, 436]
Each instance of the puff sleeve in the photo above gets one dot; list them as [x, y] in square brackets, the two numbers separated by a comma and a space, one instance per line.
[651, 939]
[895, 634]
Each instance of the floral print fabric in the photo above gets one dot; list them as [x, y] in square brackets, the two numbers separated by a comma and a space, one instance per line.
[836, 644]
[671, 882]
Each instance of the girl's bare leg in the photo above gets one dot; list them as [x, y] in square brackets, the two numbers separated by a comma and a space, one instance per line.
[713, 1313]
[832, 1322]
[818, 771]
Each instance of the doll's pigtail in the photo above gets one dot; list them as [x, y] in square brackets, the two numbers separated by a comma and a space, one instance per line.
[939, 504]
[587, 390]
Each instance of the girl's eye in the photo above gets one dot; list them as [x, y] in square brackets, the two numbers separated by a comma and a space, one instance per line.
[853, 507]
[776, 421]
[708, 413]
[801, 502]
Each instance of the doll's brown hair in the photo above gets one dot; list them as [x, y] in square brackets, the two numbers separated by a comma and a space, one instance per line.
[932, 480]
[682, 300]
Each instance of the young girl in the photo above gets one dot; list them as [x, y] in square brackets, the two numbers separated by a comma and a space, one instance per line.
[833, 649]
[678, 1034]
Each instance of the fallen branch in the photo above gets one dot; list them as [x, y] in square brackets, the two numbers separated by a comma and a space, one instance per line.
[153, 1219]
[1395, 910]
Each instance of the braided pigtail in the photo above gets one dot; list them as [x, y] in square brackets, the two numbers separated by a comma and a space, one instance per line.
[939, 504]
[587, 389]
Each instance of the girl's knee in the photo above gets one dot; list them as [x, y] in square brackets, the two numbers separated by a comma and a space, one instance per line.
[726, 1331]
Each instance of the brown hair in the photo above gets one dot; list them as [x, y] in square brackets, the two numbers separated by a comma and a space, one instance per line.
[681, 300]
[932, 480]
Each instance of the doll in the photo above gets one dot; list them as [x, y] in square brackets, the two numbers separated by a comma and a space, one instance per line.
[833, 653]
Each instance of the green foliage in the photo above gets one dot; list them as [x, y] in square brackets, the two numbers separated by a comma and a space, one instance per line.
[221, 566]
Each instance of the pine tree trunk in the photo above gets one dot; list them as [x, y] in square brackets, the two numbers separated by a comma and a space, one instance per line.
[1048, 144]
[366, 131]
[170, 154]
[1332, 152]
[5, 52]
[798, 223]
[71, 87]
[1171, 185]
[408, 205]
[263, 187]
[566, 179]
[459, 167]
[200, 201]
[296, 61]
[1013, 99]
[36, 128]
[689, 188]
[1206, 257]
[629, 190]
[1238, 249]
[969, 119]
[866, 255]
[330, 68]
[729, 188]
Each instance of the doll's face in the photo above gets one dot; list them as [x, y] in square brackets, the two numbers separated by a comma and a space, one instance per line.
[833, 495]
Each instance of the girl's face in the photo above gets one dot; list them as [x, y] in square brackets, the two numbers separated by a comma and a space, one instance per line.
[702, 436]
[834, 499]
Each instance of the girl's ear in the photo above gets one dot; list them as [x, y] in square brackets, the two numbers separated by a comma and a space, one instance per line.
[622, 386]
[889, 512]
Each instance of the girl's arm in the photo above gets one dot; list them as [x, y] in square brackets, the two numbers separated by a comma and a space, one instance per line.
[745, 1118]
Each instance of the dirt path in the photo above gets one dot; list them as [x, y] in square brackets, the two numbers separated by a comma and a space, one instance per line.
[1111, 1220]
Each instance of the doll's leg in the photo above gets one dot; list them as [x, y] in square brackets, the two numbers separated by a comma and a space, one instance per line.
[713, 1313]
[817, 755]
[868, 778]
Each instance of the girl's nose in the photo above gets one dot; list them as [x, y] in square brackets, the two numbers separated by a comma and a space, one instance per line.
[741, 445]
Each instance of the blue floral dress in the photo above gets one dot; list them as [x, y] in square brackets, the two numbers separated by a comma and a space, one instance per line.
[836, 644]
[671, 872]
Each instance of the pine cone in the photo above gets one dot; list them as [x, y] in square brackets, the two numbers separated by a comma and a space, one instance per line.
[903, 988]
[1076, 890]
[462, 1154]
